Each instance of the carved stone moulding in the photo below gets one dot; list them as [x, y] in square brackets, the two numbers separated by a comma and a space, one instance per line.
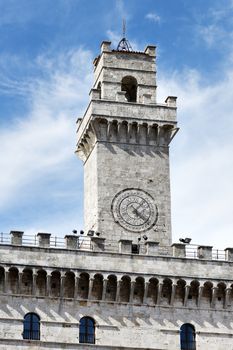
[121, 131]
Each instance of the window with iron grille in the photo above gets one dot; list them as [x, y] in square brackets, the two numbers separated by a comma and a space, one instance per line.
[187, 337]
[31, 326]
[87, 330]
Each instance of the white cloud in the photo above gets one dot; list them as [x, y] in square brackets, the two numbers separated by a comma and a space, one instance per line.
[216, 26]
[211, 34]
[40, 145]
[114, 37]
[154, 17]
[202, 166]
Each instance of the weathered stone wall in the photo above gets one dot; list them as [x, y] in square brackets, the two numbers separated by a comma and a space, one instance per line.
[113, 66]
[117, 325]
[142, 167]
[91, 187]
[120, 154]
[67, 259]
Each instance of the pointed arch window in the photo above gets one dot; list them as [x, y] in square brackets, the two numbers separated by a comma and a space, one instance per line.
[187, 337]
[87, 330]
[31, 326]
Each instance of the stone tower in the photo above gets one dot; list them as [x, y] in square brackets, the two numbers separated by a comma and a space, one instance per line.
[123, 140]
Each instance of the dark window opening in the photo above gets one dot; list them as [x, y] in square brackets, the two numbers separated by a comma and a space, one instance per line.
[99, 89]
[87, 330]
[135, 248]
[129, 85]
[187, 337]
[31, 327]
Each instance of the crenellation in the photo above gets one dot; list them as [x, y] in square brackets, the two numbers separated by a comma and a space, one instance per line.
[72, 241]
[105, 46]
[16, 237]
[151, 50]
[229, 254]
[98, 244]
[95, 94]
[179, 250]
[44, 239]
[204, 252]
[171, 101]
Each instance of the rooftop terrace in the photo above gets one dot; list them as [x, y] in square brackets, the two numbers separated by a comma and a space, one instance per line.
[124, 246]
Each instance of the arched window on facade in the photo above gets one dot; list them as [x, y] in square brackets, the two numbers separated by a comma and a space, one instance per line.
[87, 330]
[31, 326]
[187, 337]
[129, 85]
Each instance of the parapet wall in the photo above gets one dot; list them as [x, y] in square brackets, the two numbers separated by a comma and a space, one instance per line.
[94, 243]
[89, 272]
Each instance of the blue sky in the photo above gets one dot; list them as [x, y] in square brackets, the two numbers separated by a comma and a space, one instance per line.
[46, 53]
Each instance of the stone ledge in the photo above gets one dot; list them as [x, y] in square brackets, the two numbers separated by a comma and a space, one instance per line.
[56, 250]
[43, 345]
[122, 304]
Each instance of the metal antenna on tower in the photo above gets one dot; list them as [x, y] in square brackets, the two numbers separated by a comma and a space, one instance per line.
[124, 44]
[123, 28]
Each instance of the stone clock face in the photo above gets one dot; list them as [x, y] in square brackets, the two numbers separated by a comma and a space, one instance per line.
[135, 210]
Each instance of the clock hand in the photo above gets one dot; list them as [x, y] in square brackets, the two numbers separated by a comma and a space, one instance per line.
[139, 213]
[140, 204]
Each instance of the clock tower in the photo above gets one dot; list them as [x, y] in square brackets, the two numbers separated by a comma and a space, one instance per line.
[123, 141]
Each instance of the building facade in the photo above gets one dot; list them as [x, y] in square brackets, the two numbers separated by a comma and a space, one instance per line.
[122, 284]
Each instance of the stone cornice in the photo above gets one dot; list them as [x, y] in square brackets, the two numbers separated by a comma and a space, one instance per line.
[124, 131]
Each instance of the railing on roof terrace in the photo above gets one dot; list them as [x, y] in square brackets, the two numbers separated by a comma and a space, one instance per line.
[98, 244]
[81, 242]
[192, 252]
